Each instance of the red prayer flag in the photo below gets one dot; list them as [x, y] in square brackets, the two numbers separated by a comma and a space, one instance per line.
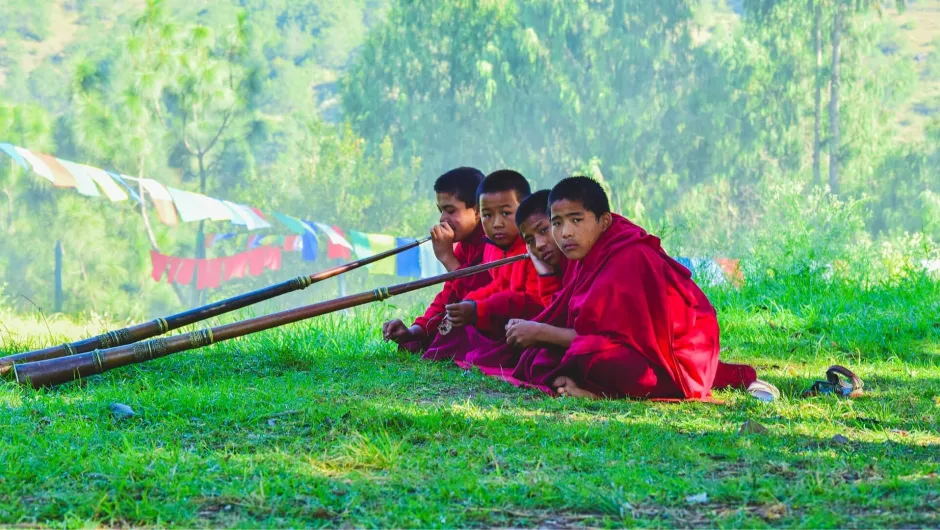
[235, 266]
[210, 273]
[184, 275]
[290, 243]
[159, 264]
[272, 259]
[256, 260]
[334, 251]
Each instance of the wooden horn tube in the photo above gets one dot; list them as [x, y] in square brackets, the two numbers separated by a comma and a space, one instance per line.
[160, 326]
[52, 372]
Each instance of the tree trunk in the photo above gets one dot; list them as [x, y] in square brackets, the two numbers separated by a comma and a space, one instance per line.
[834, 99]
[201, 233]
[149, 229]
[817, 118]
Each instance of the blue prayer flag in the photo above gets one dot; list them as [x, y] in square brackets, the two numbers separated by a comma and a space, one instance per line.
[407, 263]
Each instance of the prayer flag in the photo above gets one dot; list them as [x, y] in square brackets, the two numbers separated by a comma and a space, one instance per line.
[337, 247]
[84, 184]
[120, 180]
[407, 263]
[181, 270]
[210, 273]
[246, 216]
[61, 176]
[291, 243]
[39, 167]
[360, 244]
[104, 181]
[707, 271]
[10, 150]
[272, 259]
[309, 244]
[429, 264]
[731, 270]
[687, 263]
[159, 263]
[198, 207]
[381, 243]
[162, 201]
[235, 266]
[292, 223]
[256, 260]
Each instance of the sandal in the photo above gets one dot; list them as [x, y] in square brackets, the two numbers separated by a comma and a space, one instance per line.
[850, 387]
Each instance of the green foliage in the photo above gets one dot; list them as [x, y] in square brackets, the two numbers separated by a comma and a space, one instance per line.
[698, 121]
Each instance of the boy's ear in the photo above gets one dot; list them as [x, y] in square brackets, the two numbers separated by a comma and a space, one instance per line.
[476, 211]
[606, 220]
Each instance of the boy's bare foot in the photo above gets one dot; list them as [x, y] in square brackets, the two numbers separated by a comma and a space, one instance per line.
[565, 386]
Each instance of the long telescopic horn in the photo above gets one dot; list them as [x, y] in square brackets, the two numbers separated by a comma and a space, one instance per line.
[160, 326]
[52, 372]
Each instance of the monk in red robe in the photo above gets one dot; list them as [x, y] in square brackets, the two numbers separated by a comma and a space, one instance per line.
[489, 309]
[458, 243]
[548, 261]
[628, 322]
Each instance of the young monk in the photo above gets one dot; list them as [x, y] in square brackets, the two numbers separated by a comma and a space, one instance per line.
[499, 197]
[629, 321]
[535, 231]
[458, 243]
[547, 260]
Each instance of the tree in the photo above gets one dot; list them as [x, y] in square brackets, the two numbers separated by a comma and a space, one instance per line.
[200, 84]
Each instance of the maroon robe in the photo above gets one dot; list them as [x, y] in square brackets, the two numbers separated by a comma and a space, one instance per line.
[644, 329]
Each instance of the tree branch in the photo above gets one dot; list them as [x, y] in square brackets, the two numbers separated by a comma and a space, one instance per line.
[228, 114]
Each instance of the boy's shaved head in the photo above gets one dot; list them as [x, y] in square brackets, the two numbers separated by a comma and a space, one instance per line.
[505, 180]
[585, 190]
[537, 203]
[462, 183]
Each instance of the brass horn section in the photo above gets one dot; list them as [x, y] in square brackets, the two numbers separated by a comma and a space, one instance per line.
[159, 326]
[51, 372]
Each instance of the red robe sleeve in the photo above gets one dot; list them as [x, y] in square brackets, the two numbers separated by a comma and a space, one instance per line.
[549, 284]
[452, 291]
[516, 300]
[639, 302]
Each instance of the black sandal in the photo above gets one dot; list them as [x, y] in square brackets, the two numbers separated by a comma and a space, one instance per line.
[851, 387]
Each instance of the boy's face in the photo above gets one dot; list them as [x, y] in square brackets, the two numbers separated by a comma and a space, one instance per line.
[461, 219]
[498, 213]
[576, 229]
[536, 231]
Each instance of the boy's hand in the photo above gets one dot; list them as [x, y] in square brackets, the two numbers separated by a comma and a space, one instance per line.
[442, 239]
[522, 333]
[462, 313]
[540, 266]
[396, 331]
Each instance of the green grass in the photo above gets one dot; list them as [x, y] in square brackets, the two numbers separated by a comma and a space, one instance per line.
[322, 424]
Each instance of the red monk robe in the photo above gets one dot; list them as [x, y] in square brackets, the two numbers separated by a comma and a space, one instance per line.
[493, 302]
[469, 253]
[513, 293]
[644, 329]
[510, 304]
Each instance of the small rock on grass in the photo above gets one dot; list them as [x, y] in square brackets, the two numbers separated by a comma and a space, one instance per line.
[701, 498]
[121, 411]
[774, 511]
[839, 440]
[752, 427]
